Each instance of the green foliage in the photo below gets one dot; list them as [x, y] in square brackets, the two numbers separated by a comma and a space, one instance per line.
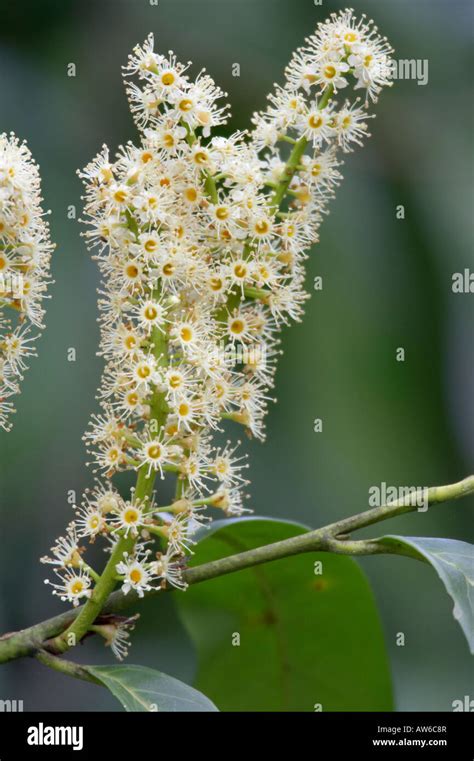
[453, 561]
[143, 689]
[306, 639]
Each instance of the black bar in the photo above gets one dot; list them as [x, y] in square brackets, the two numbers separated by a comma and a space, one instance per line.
[314, 735]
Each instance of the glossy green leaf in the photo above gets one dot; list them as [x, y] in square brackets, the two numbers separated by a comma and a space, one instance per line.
[453, 561]
[282, 636]
[143, 689]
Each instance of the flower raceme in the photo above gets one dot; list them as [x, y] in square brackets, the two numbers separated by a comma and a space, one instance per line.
[201, 241]
[25, 253]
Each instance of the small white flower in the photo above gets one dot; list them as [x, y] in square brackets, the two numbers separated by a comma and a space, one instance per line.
[316, 125]
[129, 519]
[73, 587]
[137, 575]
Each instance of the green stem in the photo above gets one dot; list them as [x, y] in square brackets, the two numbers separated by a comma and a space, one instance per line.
[331, 538]
[209, 182]
[288, 173]
[295, 159]
[65, 667]
[251, 292]
[210, 187]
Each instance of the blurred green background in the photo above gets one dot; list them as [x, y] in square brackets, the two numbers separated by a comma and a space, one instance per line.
[387, 284]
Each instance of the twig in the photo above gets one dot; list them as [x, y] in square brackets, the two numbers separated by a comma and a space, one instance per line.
[332, 538]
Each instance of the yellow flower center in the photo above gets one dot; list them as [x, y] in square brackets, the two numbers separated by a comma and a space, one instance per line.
[120, 196]
[315, 121]
[131, 516]
[185, 105]
[237, 326]
[151, 313]
[131, 271]
[216, 283]
[143, 371]
[168, 269]
[175, 381]
[262, 227]
[190, 194]
[136, 575]
[329, 72]
[154, 452]
[167, 78]
[222, 212]
[240, 270]
[150, 245]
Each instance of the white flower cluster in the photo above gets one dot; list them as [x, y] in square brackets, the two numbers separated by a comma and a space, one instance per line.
[343, 48]
[25, 253]
[201, 241]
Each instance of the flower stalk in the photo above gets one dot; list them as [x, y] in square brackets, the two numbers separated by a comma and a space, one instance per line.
[201, 242]
[25, 254]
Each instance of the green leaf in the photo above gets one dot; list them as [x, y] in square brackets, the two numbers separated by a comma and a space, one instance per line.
[453, 561]
[306, 639]
[143, 689]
